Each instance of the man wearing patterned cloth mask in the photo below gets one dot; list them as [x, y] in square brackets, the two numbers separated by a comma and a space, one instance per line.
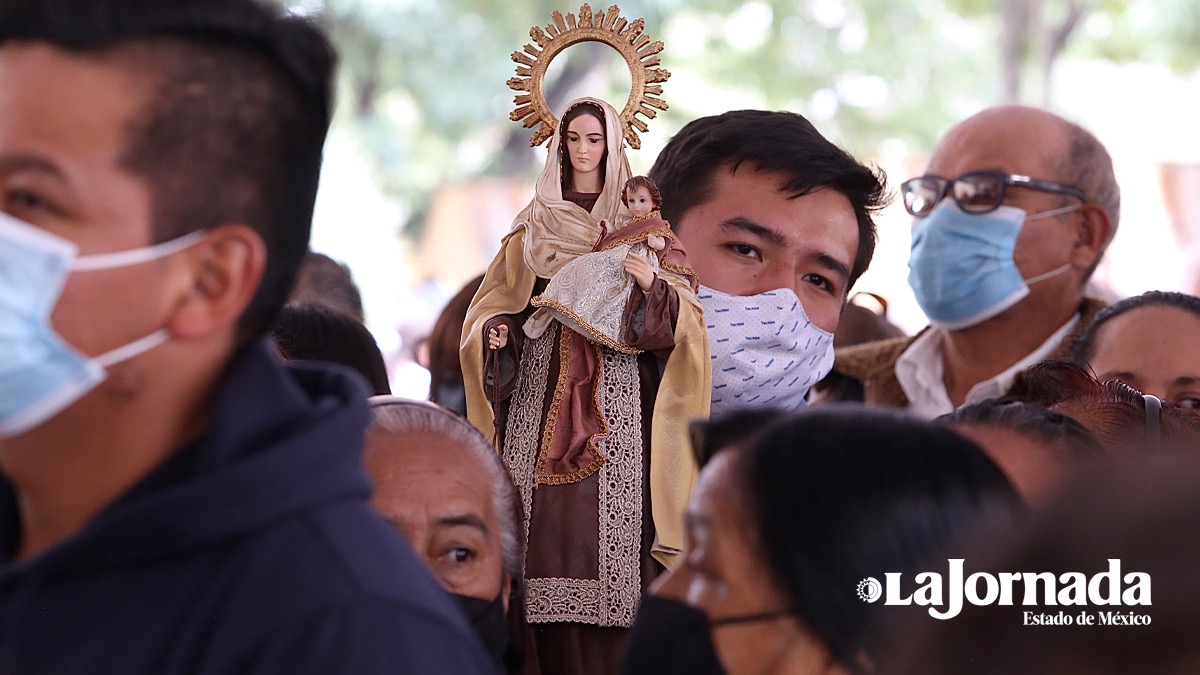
[777, 222]
[1012, 216]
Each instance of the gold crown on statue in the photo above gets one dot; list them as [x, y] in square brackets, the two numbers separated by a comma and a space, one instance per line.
[611, 29]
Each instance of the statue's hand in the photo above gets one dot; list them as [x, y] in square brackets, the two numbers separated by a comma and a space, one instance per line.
[498, 337]
[640, 270]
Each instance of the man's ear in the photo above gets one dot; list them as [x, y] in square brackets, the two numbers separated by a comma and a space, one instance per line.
[506, 591]
[1093, 235]
[225, 271]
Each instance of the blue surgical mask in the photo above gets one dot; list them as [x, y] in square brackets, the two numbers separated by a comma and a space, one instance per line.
[962, 269]
[40, 374]
[765, 350]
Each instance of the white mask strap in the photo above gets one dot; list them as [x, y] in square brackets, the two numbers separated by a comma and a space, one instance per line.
[104, 261]
[1046, 275]
[132, 349]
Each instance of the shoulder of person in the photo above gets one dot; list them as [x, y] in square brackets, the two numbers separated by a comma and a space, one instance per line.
[370, 634]
[870, 359]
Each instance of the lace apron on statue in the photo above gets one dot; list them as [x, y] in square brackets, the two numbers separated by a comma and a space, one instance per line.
[588, 295]
[598, 583]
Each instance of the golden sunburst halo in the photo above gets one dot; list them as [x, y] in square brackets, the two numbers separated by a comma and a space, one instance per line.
[610, 28]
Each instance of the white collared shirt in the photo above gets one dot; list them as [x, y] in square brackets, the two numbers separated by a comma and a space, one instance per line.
[921, 372]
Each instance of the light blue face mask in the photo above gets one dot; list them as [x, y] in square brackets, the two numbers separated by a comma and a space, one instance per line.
[40, 374]
[961, 268]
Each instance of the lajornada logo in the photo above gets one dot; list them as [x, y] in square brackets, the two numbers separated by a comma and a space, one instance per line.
[982, 588]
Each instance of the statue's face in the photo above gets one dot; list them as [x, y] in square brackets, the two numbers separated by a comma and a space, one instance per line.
[640, 201]
[585, 145]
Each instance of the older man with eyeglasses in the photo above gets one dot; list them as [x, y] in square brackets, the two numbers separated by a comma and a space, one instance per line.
[1011, 218]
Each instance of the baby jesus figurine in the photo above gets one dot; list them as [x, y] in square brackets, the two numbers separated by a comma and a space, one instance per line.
[591, 294]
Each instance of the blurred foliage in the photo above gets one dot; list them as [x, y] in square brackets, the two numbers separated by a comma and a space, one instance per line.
[1156, 31]
[423, 81]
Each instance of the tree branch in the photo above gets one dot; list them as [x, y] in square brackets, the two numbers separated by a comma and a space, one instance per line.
[1056, 38]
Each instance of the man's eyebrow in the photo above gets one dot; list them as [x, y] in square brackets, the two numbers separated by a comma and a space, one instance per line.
[757, 229]
[466, 519]
[30, 163]
[1186, 380]
[832, 265]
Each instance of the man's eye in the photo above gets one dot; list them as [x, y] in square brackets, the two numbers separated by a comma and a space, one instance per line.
[745, 250]
[1192, 402]
[458, 555]
[23, 199]
[819, 281]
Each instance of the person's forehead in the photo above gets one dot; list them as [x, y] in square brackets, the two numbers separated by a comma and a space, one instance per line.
[428, 463]
[715, 485]
[1160, 334]
[585, 123]
[52, 98]
[1012, 142]
[823, 219]
[1002, 442]
[720, 509]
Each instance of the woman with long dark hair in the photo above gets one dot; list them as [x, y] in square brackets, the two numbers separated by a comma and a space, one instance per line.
[787, 526]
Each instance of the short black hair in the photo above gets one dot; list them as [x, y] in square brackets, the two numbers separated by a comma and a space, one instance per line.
[1058, 431]
[771, 142]
[1085, 347]
[325, 281]
[734, 428]
[312, 332]
[234, 129]
[838, 494]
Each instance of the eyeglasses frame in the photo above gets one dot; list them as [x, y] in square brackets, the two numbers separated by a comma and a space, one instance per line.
[1006, 180]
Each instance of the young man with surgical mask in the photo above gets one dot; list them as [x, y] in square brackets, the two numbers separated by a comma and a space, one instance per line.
[1012, 216]
[173, 499]
[777, 223]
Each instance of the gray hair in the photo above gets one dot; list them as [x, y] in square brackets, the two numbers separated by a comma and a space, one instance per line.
[1088, 166]
[399, 416]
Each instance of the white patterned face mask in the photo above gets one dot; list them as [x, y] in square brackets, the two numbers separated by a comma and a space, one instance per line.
[765, 351]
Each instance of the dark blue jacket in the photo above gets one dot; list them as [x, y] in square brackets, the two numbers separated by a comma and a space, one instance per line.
[251, 550]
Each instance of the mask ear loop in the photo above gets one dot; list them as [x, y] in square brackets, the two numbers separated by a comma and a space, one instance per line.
[104, 261]
[1153, 421]
[1046, 275]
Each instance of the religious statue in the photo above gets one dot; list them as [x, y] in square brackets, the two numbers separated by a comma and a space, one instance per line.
[585, 356]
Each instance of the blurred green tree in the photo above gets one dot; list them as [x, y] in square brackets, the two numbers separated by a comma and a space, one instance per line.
[423, 81]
